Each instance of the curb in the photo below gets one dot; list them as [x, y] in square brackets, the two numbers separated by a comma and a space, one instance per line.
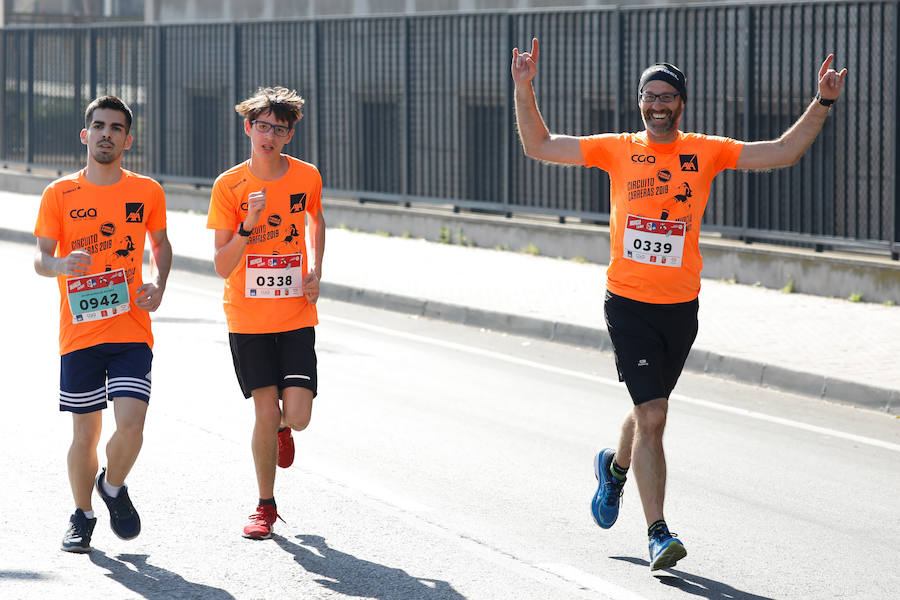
[699, 361]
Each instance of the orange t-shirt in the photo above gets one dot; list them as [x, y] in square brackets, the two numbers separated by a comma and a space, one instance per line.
[658, 193]
[110, 222]
[281, 231]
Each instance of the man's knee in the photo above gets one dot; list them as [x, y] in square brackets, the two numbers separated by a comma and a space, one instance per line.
[298, 421]
[297, 408]
[651, 416]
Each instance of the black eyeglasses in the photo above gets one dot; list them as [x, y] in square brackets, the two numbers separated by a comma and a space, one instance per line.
[266, 127]
[648, 98]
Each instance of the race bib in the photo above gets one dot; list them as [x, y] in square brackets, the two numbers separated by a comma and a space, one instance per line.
[98, 296]
[274, 276]
[653, 241]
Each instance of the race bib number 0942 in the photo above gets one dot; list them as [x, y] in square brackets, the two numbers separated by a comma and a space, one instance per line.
[98, 296]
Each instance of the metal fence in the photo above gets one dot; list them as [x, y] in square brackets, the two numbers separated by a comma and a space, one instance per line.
[419, 108]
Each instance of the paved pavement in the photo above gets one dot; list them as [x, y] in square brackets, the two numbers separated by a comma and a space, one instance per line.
[830, 348]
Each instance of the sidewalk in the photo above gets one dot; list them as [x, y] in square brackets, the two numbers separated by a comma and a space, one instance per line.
[829, 348]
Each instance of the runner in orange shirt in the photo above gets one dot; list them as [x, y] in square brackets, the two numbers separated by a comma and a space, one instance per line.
[659, 186]
[90, 232]
[259, 210]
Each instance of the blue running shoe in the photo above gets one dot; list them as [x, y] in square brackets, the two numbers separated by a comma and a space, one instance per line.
[665, 550]
[78, 535]
[123, 518]
[606, 501]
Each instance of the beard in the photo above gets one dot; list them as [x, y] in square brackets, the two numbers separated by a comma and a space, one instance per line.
[104, 157]
[667, 125]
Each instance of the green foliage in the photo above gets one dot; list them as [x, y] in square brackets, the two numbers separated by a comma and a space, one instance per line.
[789, 288]
[856, 297]
[531, 249]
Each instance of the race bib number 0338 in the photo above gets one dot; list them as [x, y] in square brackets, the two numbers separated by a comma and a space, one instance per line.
[98, 296]
[273, 276]
[653, 241]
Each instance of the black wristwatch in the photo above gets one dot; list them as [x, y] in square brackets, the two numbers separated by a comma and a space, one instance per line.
[823, 101]
[243, 232]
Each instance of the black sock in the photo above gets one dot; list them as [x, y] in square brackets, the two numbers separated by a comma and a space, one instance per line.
[658, 527]
[617, 471]
[268, 502]
[280, 429]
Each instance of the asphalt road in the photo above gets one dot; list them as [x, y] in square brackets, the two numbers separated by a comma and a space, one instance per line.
[442, 462]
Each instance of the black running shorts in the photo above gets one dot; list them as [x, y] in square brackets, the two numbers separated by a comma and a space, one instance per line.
[285, 359]
[651, 343]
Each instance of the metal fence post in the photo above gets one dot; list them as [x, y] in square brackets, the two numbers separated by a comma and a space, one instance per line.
[4, 101]
[159, 100]
[235, 89]
[508, 126]
[29, 100]
[317, 104]
[92, 63]
[619, 124]
[405, 118]
[895, 244]
[749, 65]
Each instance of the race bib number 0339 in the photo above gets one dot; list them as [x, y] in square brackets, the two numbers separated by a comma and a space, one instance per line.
[653, 241]
[273, 276]
[98, 296]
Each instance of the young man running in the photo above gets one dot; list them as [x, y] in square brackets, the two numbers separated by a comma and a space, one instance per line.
[659, 186]
[259, 210]
[90, 232]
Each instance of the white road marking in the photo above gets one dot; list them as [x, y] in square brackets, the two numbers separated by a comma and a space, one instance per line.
[613, 382]
[593, 378]
[591, 582]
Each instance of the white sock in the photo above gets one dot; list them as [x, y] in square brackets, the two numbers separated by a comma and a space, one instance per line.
[88, 514]
[110, 490]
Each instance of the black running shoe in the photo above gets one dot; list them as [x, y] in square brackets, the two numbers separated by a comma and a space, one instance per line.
[78, 535]
[123, 519]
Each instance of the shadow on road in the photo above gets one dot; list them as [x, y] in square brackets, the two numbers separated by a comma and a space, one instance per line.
[692, 584]
[21, 575]
[346, 574]
[153, 583]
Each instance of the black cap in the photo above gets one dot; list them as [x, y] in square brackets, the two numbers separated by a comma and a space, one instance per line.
[665, 72]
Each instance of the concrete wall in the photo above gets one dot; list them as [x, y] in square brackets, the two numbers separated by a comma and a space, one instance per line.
[834, 274]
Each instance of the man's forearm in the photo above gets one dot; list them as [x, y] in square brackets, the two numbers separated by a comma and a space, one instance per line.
[317, 235]
[800, 136]
[162, 263]
[532, 129]
[45, 264]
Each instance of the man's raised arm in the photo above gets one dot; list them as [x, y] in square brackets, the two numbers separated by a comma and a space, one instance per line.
[537, 141]
[793, 143]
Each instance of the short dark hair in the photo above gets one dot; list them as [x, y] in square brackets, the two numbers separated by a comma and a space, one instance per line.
[285, 104]
[112, 103]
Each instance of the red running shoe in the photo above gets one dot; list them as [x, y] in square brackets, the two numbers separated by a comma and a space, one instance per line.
[260, 526]
[285, 448]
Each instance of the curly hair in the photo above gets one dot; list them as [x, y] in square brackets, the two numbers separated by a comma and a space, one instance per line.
[283, 103]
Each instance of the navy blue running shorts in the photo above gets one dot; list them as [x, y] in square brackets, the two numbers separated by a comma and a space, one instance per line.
[651, 343]
[90, 376]
[285, 359]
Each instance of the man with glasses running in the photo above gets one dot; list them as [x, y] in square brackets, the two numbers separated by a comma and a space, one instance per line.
[659, 186]
[259, 210]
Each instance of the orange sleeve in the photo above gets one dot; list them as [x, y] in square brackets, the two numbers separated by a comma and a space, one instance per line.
[222, 209]
[597, 150]
[48, 220]
[157, 219]
[730, 152]
[314, 203]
